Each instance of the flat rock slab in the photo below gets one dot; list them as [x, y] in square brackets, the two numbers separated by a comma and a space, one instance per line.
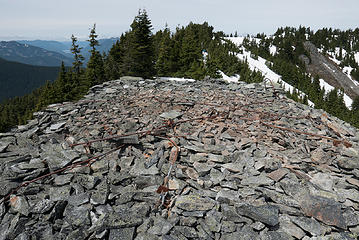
[309, 225]
[348, 162]
[266, 214]
[171, 115]
[324, 209]
[78, 216]
[122, 234]
[20, 204]
[57, 126]
[3, 147]
[194, 203]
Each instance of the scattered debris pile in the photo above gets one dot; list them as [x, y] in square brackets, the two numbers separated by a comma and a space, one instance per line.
[142, 159]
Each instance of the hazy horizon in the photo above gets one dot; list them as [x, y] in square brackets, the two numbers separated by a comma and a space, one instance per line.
[40, 19]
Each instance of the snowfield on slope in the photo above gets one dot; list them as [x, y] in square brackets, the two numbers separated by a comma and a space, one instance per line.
[260, 65]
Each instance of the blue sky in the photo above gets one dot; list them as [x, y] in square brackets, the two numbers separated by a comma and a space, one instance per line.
[57, 20]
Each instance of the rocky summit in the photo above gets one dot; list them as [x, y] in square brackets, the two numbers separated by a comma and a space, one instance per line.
[152, 159]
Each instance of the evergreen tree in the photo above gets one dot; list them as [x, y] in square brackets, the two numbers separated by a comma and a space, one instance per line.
[78, 58]
[141, 49]
[95, 73]
[355, 105]
[114, 60]
[165, 60]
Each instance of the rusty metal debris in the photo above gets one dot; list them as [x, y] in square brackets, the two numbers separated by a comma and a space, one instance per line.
[216, 112]
[83, 163]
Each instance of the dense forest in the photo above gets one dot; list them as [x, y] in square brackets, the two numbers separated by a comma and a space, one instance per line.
[29, 77]
[139, 52]
[179, 53]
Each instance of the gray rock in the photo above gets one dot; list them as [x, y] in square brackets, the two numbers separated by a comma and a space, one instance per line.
[2, 209]
[323, 209]
[260, 180]
[56, 157]
[188, 221]
[309, 225]
[213, 221]
[130, 78]
[57, 126]
[146, 236]
[99, 196]
[227, 172]
[216, 158]
[3, 147]
[290, 228]
[59, 193]
[63, 179]
[216, 176]
[351, 218]
[6, 187]
[156, 156]
[116, 220]
[140, 169]
[122, 234]
[244, 234]
[77, 234]
[266, 214]
[323, 180]
[160, 227]
[77, 215]
[19, 204]
[230, 214]
[171, 114]
[194, 203]
[203, 168]
[42, 206]
[188, 232]
[234, 167]
[193, 213]
[228, 227]
[227, 196]
[348, 162]
[274, 235]
[86, 181]
[79, 199]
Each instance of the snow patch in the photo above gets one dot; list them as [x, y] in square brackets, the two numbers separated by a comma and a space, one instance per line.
[327, 88]
[273, 50]
[236, 40]
[335, 60]
[347, 71]
[260, 65]
[348, 101]
[177, 79]
[233, 79]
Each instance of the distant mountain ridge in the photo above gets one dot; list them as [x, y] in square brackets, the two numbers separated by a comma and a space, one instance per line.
[32, 55]
[54, 46]
[63, 47]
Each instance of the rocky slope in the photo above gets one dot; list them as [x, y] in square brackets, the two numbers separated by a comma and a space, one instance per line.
[179, 160]
[329, 71]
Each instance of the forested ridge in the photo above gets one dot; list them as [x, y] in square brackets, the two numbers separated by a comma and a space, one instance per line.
[287, 61]
[180, 53]
[18, 79]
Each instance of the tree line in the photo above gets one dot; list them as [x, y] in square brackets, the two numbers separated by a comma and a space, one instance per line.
[194, 51]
